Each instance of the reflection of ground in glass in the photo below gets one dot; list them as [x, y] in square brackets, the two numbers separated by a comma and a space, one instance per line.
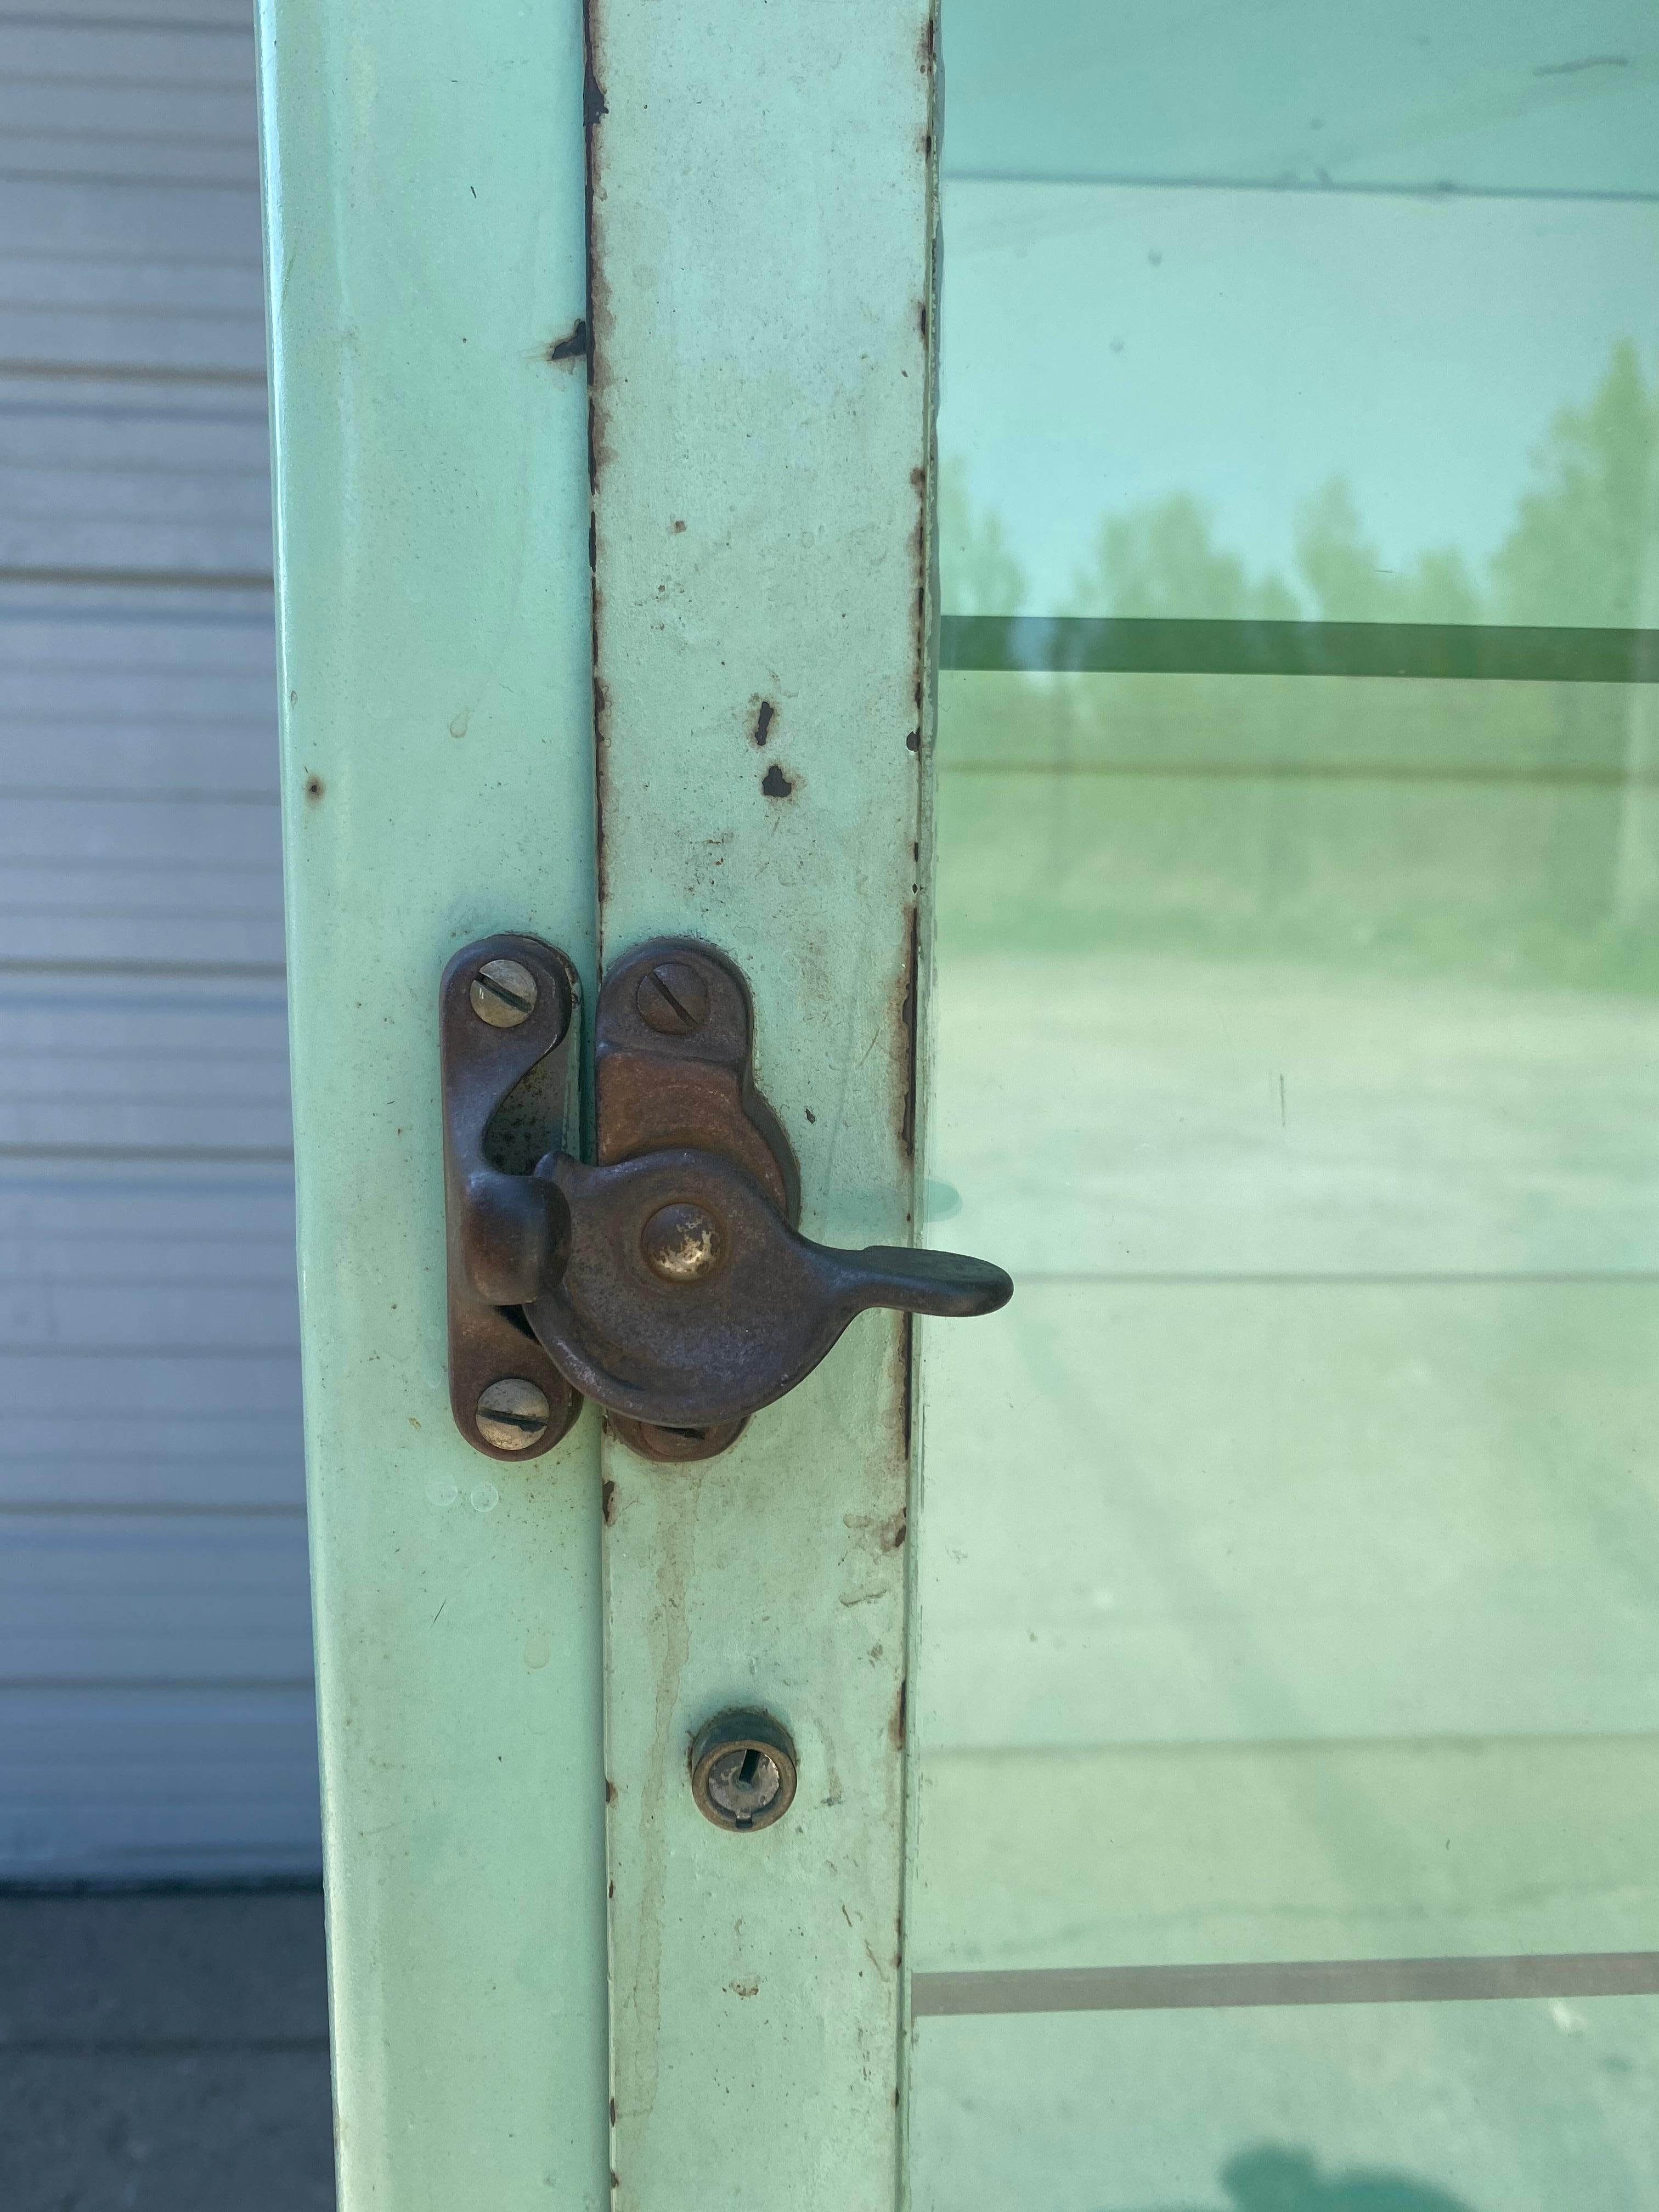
[1477, 2108]
[1289, 1544]
[1274, 2180]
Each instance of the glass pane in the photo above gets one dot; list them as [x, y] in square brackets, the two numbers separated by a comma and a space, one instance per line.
[1405, 2108]
[1288, 1687]
[1249, 315]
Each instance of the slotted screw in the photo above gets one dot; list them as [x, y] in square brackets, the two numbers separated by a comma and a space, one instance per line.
[504, 993]
[512, 1414]
[672, 998]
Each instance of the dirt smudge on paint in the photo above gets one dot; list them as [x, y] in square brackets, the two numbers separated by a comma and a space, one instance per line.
[642, 1843]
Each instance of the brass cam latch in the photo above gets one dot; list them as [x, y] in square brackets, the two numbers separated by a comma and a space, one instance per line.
[667, 1280]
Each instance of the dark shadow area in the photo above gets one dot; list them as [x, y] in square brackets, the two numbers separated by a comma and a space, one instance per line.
[1274, 2179]
[165, 2053]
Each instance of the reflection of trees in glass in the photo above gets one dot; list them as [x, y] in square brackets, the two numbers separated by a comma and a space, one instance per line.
[1274, 2180]
[979, 574]
[1580, 541]
[1347, 581]
[1162, 560]
[1575, 552]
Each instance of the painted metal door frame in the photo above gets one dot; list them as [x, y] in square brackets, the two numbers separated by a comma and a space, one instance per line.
[761, 240]
[757, 678]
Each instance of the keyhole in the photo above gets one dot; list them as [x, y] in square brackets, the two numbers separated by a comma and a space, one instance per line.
[743, 1771]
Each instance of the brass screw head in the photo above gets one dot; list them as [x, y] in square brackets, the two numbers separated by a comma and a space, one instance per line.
[681, 1243]
[504, 993]
[512, 1414]
[672, 998]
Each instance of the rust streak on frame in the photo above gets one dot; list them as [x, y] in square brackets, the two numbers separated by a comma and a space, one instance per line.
[598, 325]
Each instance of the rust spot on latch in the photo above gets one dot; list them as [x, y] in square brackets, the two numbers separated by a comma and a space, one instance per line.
[765, 715]
[775, 784]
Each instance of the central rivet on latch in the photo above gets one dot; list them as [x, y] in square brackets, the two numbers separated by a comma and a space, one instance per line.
[681, 1243]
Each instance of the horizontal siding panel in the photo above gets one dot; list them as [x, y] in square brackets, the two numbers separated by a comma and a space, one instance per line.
[164, 703]
[134, 436]
[201, 1209]
[65, 98]
[63, 833]
[145, 761]
[153, 1606]
[131, 1785]
[145, 1067]
[164, 1468]
[134, 1309]
[134, 157]
[139, 649]
[143, 540]
[178, 16]
[117, 1597]
[154, 1387]
[191, 1320]
[184, 288]
[154, 908]
[165, 44]
[138, 222]
[150, 355]
[185, 1282]
[192, 1456]
[48, 491]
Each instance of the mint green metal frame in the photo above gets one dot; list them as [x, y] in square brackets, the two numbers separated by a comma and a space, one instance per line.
[762, 232]
[758, 668]
[424, 203]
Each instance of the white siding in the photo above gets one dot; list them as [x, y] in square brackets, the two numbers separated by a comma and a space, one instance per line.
[156, 1715]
